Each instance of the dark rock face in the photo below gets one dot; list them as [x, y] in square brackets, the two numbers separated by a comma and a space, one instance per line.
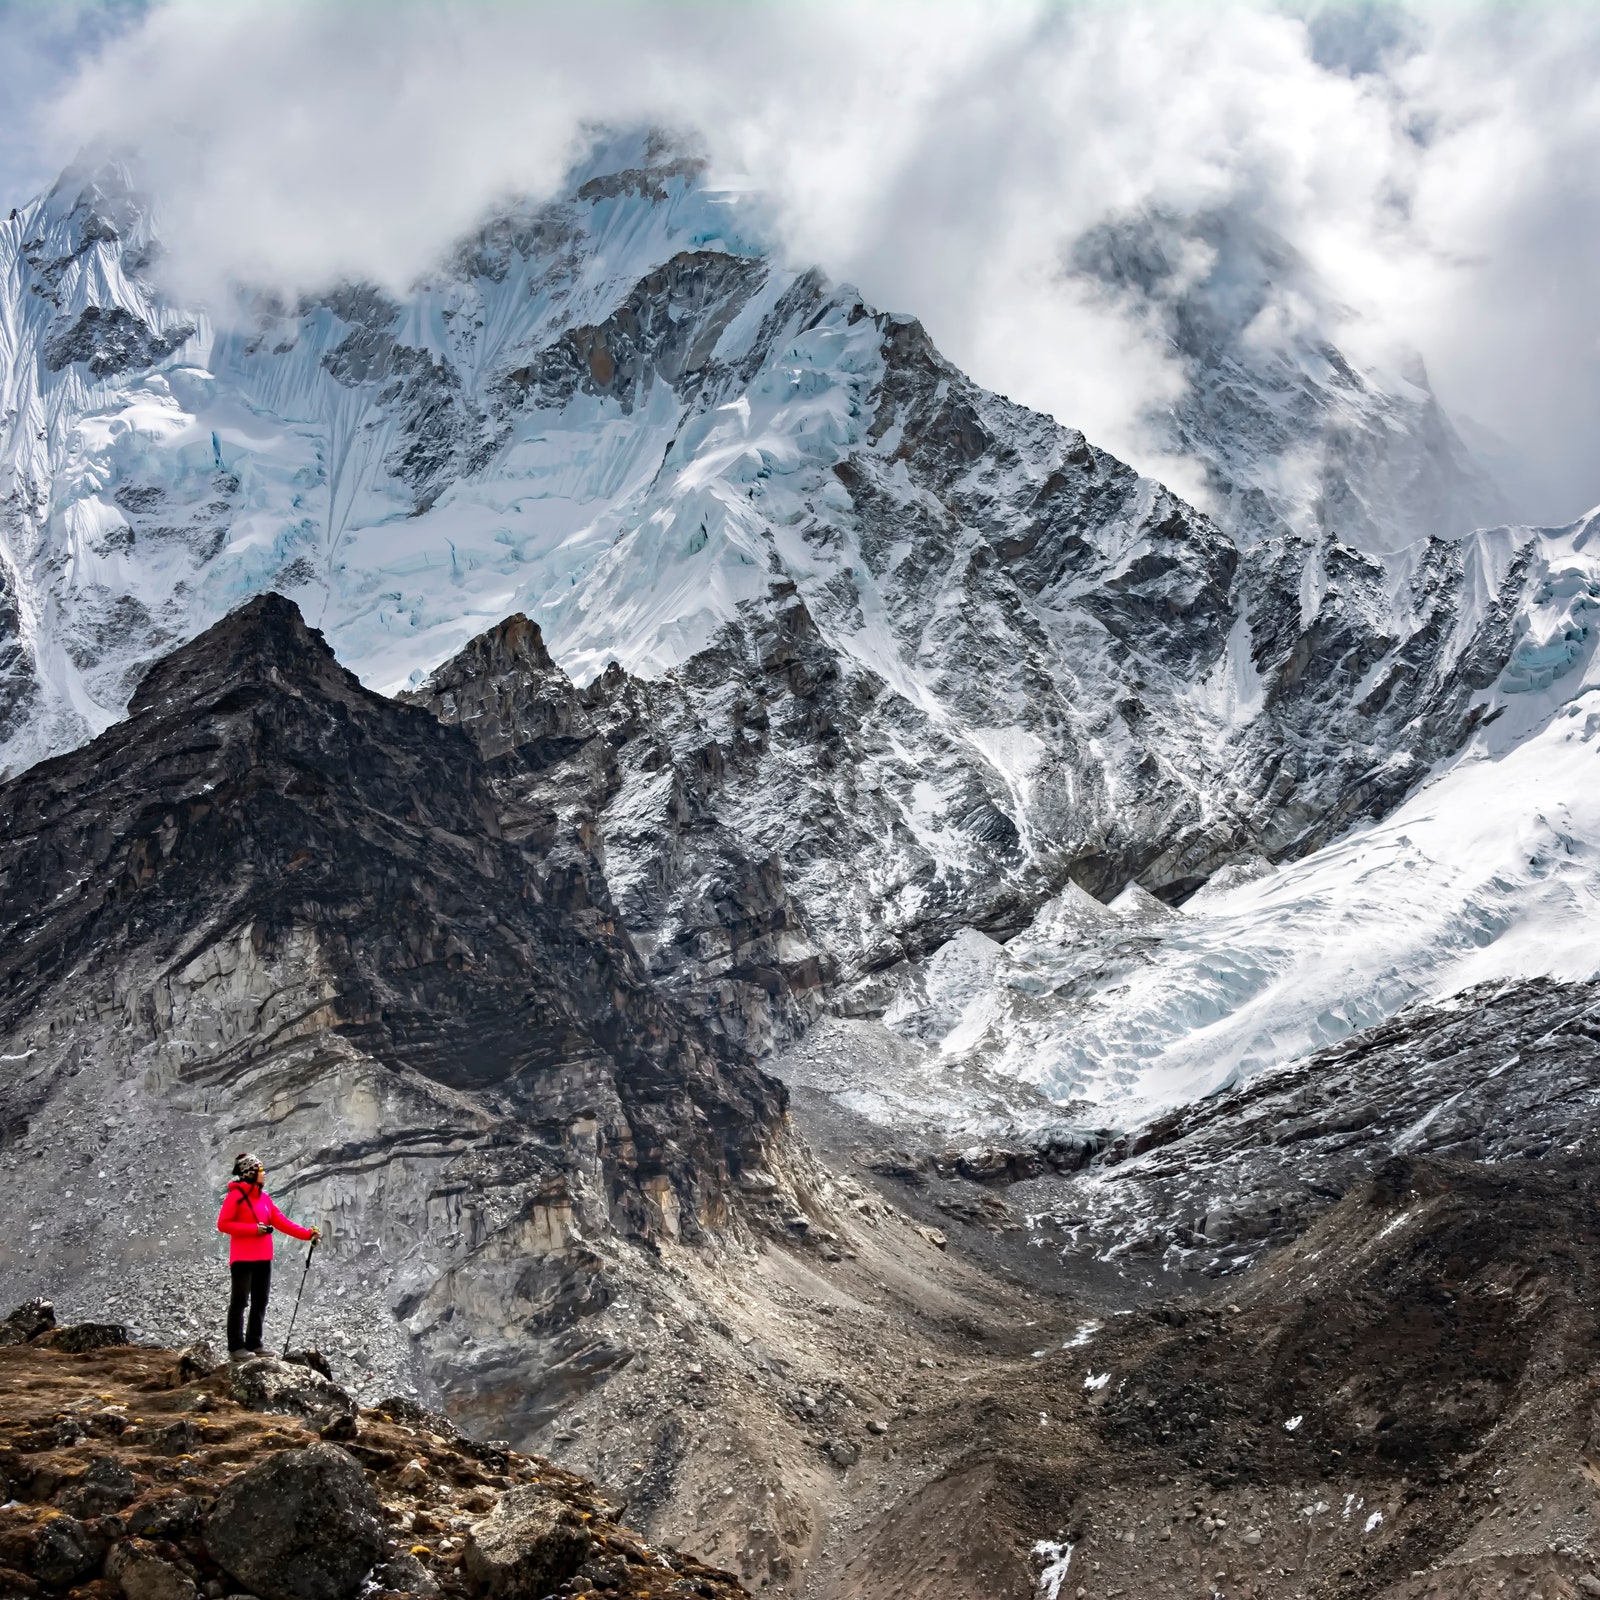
[291, 881]
[717, 927]
[1278, 1152]
[1323, 757]
[529, 1545]
[253, 780]
[444, 432]
[19, 691]
[667, 328]
[300, 1525]
[109, 340]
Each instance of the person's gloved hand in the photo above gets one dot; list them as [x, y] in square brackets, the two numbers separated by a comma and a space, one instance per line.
[263, 1227]
[316, 1236]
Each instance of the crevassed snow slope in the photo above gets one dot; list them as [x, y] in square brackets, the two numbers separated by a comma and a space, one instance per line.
[372, 459]
[1492, 870]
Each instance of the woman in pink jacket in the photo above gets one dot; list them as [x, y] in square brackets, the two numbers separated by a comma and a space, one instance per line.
[248, 1216]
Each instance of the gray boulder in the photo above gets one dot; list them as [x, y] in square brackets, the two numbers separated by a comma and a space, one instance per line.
[197, 1360]
[404, 1574]
[141, 1574]
[106, 1486]
[528, 1545]
[65, 1553]
[27, 1322]
[289, 1389]
[300, 1525]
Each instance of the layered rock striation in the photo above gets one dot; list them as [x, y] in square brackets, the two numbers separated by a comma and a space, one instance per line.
[273, 908]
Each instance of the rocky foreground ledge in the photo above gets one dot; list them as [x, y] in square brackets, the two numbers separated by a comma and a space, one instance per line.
[152, 1474]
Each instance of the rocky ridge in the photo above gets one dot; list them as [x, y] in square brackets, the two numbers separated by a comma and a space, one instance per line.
[161, 1475]
[274, 897]
[823, 1372]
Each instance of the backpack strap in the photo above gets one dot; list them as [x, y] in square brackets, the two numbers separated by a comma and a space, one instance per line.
[239, 1192]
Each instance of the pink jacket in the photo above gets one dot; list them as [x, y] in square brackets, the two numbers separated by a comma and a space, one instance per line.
[244, 1209]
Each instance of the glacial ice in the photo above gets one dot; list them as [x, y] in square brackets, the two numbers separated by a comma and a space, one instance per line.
[629, 529]
[1491, 870]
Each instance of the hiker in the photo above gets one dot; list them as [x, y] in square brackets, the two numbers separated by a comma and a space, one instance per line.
[248, 1216]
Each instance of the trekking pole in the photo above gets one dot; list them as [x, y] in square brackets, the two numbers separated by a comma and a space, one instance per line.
[298, 1292]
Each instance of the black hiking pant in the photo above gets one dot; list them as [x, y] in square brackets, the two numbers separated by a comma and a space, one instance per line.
[251, 1281]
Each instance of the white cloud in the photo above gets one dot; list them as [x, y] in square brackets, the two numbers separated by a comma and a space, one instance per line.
[1437, 167]
[43, 46]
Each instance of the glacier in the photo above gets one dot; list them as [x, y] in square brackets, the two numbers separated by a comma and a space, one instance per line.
[1487, 873]
[310, 448]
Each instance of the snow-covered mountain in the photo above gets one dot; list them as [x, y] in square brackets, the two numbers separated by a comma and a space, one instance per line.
[1115, 885]
[1489, 872]
[856, 656]
[161, 469]
[1284, 427]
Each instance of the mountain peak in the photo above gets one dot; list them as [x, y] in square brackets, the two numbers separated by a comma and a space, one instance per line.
[250, 647]
[640, 162]
[1291, 434]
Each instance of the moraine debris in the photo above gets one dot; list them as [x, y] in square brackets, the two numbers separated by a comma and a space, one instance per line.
[97, 1503]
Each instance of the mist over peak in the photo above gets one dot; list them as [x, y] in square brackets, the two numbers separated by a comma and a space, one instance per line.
[1434, 168]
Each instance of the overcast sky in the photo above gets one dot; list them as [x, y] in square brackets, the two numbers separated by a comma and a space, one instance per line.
[1438, 167]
